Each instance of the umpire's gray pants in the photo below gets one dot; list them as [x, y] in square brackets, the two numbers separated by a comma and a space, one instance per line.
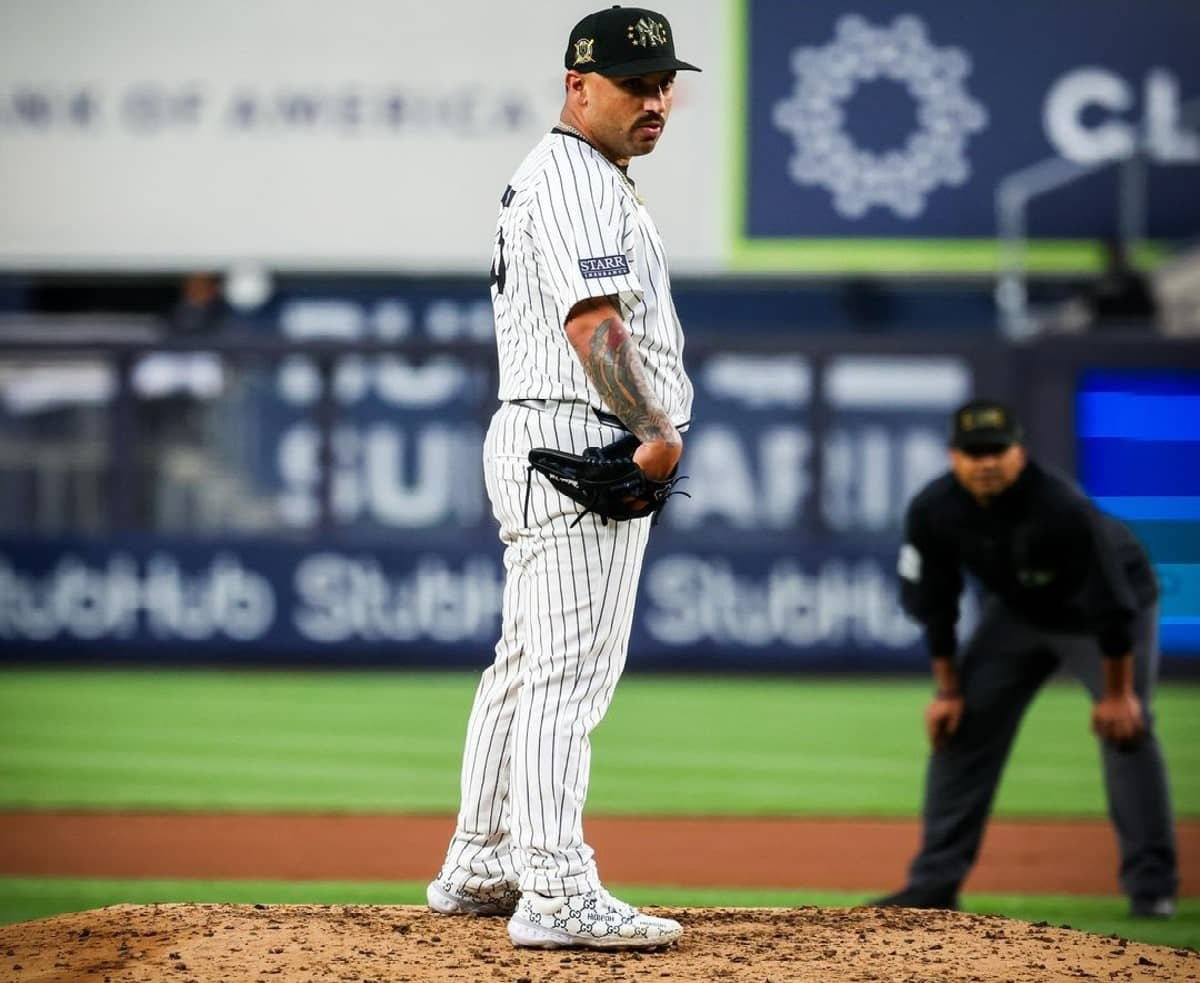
[1001, 668]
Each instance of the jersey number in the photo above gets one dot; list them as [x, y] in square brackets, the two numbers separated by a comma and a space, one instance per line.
[499, 272]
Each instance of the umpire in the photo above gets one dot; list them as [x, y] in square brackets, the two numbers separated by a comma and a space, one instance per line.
[1066, 587]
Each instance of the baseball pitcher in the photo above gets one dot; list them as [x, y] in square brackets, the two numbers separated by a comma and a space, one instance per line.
[578, 459]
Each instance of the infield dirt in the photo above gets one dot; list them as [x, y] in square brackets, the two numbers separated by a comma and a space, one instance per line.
[323, 944]
[293, 943]
[1047, 856]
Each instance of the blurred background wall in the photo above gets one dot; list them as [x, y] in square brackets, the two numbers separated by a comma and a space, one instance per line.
[246, 353]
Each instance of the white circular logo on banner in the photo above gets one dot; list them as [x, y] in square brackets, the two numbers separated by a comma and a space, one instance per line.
[815, 114]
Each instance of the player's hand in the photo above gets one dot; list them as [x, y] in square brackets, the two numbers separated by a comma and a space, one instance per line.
[942, 717]
[1118, 719]
[658, 458]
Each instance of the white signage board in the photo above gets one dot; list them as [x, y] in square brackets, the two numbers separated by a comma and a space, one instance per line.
[309, 135]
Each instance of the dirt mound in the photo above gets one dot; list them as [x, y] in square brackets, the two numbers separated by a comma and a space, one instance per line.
[285, 943]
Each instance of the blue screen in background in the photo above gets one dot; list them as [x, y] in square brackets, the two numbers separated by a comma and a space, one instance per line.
[1139, 459]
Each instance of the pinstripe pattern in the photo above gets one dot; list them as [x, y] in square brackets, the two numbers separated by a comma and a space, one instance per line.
[569, 590]
[568, 611]
[568, 204]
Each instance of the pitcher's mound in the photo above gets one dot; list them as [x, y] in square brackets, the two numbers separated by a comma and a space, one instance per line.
[286, 943]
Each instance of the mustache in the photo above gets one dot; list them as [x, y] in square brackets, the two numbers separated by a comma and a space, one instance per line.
[651, 118]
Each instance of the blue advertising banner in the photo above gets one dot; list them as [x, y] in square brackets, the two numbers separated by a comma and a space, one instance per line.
[885, 121]
[1139, 457]
[432, 604]
[799, 468]
[877, 421]
[407, 442]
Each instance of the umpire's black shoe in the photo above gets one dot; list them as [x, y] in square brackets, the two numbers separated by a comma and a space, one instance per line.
[1146, 907]
[920, 897]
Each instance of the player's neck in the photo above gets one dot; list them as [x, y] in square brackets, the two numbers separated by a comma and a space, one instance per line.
[572, 124]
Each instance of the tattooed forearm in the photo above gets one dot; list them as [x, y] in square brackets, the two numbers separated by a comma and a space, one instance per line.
[613, 364]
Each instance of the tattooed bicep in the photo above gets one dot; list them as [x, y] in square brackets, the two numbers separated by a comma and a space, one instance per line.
[613, 364]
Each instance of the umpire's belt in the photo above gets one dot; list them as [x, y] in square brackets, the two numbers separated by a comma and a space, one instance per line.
[608, 419]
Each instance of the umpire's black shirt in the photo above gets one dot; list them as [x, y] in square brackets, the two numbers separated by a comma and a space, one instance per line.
[1042, 547]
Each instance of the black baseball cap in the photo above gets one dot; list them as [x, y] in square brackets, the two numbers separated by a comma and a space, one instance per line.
[623, 41]
[984, 424]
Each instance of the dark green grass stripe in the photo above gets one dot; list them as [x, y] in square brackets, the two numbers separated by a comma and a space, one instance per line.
[391, 741]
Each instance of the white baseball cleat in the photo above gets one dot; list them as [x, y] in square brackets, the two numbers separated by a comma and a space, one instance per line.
[595, 920]
[445, 900]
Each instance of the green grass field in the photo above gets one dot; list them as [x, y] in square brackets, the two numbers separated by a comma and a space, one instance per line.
[348, 742]
[391, 742]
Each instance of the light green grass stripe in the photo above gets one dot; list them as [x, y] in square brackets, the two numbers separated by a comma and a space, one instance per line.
[736, 116]
[391, 741]
[964, 256]
[22, 899]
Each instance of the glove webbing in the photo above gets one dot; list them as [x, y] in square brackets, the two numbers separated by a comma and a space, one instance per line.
[671, 483]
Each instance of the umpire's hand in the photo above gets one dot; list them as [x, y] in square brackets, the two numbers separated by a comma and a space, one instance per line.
[942, 718]
[1118, 718]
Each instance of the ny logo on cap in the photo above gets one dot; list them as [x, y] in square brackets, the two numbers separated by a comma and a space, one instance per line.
[583, 50]
[648, 32]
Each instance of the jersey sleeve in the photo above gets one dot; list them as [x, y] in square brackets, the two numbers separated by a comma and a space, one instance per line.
[585, 232]
[1106, 596]
[930, 583]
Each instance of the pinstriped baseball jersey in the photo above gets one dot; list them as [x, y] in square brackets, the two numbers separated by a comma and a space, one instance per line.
[571, 227]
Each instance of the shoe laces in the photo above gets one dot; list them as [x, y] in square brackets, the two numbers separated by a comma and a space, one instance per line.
[615, 905]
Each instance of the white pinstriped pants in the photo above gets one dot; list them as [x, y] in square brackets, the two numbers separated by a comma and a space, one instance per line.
[568, 609]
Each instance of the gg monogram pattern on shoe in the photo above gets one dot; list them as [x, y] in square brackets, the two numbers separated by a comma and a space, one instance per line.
[593, 920]
[445, 899]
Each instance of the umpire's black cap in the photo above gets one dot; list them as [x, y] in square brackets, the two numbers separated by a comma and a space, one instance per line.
[624, 41]
[983, 424]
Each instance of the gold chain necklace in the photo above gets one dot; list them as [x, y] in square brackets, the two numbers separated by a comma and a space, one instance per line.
[568, 128]
[574, 132]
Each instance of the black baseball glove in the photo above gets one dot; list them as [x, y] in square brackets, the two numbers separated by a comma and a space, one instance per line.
[604, 480]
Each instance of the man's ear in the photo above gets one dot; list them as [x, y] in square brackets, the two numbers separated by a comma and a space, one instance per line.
[577, 85]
